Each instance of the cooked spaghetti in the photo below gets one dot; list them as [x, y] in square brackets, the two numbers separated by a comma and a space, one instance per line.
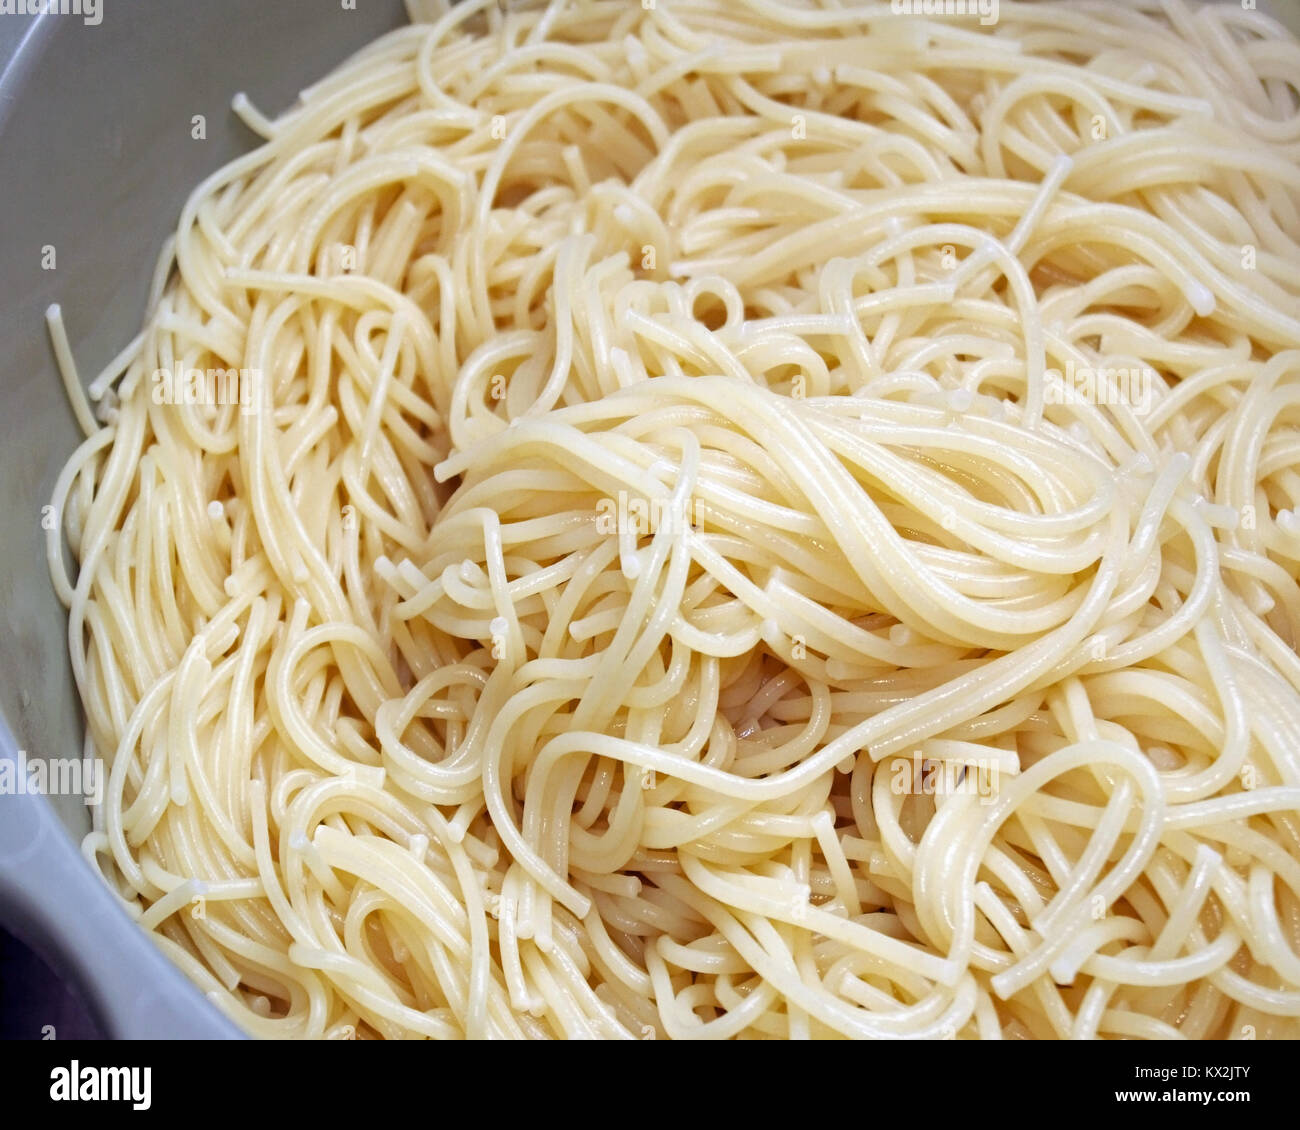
[718, 518]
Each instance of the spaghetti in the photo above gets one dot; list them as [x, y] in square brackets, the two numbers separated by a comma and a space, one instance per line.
[719, 519]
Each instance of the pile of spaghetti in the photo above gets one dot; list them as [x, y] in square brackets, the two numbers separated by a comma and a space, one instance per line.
[740, 519]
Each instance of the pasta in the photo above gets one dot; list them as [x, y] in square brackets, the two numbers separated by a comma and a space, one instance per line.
[718, 519]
